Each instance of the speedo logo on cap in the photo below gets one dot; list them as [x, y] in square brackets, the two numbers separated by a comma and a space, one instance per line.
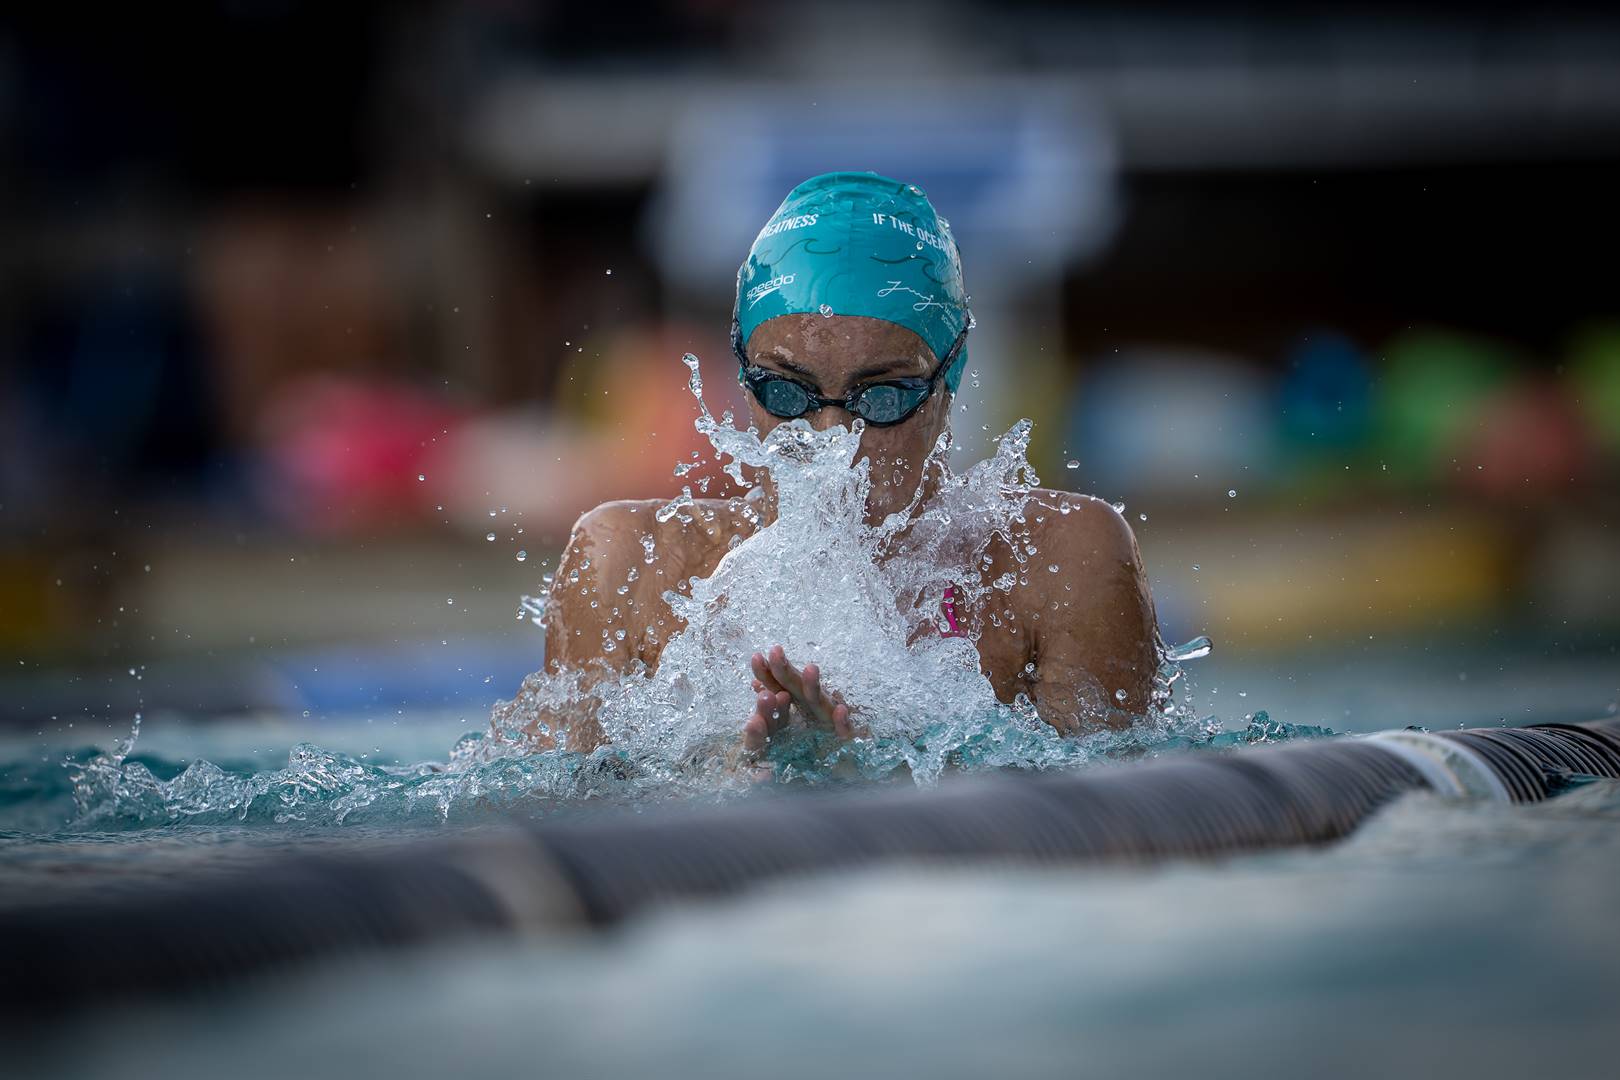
[785, 224]
[764, 289]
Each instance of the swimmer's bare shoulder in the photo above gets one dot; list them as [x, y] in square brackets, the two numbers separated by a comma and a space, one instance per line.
[1091, 621]
[621, 545]
[598, 631]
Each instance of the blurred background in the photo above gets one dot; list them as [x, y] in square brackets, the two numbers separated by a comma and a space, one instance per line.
[321, 323]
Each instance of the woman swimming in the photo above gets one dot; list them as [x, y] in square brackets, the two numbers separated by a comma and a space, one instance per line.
[850, 306]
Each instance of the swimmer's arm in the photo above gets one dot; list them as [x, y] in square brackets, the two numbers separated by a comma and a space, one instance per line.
[585, 614]
[1097, 633]
[585, 611]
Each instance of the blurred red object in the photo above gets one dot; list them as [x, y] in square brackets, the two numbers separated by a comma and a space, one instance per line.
[1530, 442]
[347, 452]
[622, 420]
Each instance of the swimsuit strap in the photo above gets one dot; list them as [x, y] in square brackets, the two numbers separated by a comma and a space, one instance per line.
[947, 606]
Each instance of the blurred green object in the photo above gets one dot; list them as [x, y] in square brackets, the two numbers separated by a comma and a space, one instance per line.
[1593, 373]
[1431, 397]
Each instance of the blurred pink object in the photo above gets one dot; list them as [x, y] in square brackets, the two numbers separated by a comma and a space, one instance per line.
[347, 453]
[1531, 442]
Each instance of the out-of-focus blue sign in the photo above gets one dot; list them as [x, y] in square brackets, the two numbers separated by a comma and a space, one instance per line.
[1025, 174]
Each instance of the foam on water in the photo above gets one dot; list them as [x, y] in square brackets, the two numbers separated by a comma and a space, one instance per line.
[104, 792]
[859, 599]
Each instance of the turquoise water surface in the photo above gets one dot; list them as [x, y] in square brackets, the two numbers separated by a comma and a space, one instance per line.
[1440, 939]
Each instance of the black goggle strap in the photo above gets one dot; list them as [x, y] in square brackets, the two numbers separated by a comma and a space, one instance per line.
[738, 348]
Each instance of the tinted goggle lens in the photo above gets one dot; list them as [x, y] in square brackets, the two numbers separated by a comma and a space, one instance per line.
[782, 397]
[881, 403]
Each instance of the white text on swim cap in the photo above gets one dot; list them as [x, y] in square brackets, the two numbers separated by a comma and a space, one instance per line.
[764, 289]
[775, 227]
[924, 301]
[932, 239]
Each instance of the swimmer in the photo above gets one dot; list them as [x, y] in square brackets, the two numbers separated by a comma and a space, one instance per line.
[851, 305]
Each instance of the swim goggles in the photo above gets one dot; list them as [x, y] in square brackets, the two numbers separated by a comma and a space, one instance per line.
[881, 404]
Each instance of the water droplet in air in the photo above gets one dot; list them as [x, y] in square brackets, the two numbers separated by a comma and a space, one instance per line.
[521, 555]
[449, 599]
[421, 476]
[1052, 568]
[1119, 695]
[826, 311]
[1196, 649]
[490, 537]
[1142, 516]
[1071, 464]
[1231, 493]
[610, 273]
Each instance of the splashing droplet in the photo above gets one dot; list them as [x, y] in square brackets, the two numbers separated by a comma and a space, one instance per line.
[1196, 649]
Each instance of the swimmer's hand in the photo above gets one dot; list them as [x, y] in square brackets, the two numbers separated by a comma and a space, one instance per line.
[782, 691]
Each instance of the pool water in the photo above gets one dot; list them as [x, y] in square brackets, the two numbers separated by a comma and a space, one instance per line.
[1442, 939]
[1439, 939]
[212, 798]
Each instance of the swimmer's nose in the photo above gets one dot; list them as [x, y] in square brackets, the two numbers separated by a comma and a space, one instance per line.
[830, 416]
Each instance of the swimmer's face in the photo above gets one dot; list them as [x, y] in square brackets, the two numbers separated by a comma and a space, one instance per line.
[833, 355]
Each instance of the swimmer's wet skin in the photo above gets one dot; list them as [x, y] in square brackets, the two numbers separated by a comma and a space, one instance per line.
[851, 303]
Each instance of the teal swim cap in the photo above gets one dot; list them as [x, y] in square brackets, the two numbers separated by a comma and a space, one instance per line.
[856, 243]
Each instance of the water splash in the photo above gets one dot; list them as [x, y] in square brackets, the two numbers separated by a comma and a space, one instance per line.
[872, 621]
[859, 599]
[486, 779]
[482, 778]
